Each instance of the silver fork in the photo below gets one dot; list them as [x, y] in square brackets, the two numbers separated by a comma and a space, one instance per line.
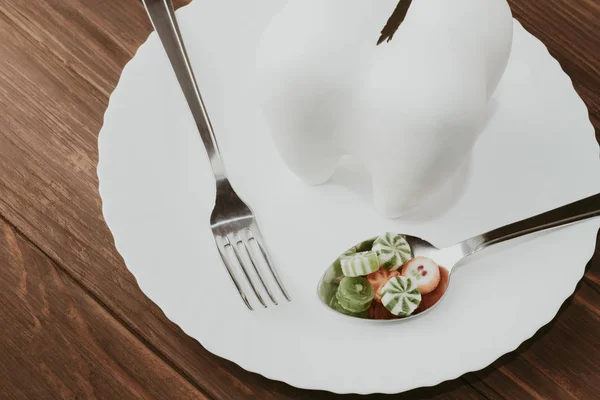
[234, 227]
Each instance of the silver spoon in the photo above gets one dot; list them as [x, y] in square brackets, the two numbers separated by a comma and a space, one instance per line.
[448, 258]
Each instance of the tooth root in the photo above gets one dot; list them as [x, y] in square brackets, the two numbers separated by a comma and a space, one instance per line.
[390, 199]
[310, 161]
[304, 146]
[303, 119]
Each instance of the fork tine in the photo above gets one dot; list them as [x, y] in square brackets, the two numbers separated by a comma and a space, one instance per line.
[254, 234]
[244, 270]
[232, 276]
[244, 243]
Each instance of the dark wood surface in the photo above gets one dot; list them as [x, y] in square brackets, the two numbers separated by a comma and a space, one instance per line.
[73, 322]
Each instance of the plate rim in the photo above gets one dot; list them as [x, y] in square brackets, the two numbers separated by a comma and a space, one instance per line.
[255, 367]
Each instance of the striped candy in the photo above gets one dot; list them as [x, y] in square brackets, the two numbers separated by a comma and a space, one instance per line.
[360, 264]
[393, 251]
[401, 296]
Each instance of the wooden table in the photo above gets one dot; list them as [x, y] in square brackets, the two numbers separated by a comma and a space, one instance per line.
[73, 322]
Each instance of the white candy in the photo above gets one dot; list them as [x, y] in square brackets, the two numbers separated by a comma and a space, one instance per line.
[425, 272]
[359, 264]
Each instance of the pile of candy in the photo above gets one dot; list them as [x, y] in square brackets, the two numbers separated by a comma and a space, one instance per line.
[385, 282]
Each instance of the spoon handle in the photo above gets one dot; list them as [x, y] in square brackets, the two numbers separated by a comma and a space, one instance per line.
[568, 214]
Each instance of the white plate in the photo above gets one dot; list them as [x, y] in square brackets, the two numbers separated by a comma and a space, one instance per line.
[538, 152]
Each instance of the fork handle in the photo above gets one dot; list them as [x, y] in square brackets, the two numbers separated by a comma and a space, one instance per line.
[162, 16]
[568, 214]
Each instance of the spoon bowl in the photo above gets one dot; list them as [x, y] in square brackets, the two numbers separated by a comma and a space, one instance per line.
[406, 276]
[447, 259]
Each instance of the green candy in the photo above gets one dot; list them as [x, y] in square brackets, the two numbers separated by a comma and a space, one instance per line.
[401, 296]
[355, 294]
[393, 251]
[359, 264]
[357, 288]
[352, 306]
[367, 245]
[339, 308]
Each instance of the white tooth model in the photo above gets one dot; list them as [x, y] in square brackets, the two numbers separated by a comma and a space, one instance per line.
[410, 110]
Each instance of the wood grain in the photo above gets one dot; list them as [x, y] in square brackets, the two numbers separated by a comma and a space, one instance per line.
[570, 31]
[59, 61]
[58, 342]
[48, 155]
